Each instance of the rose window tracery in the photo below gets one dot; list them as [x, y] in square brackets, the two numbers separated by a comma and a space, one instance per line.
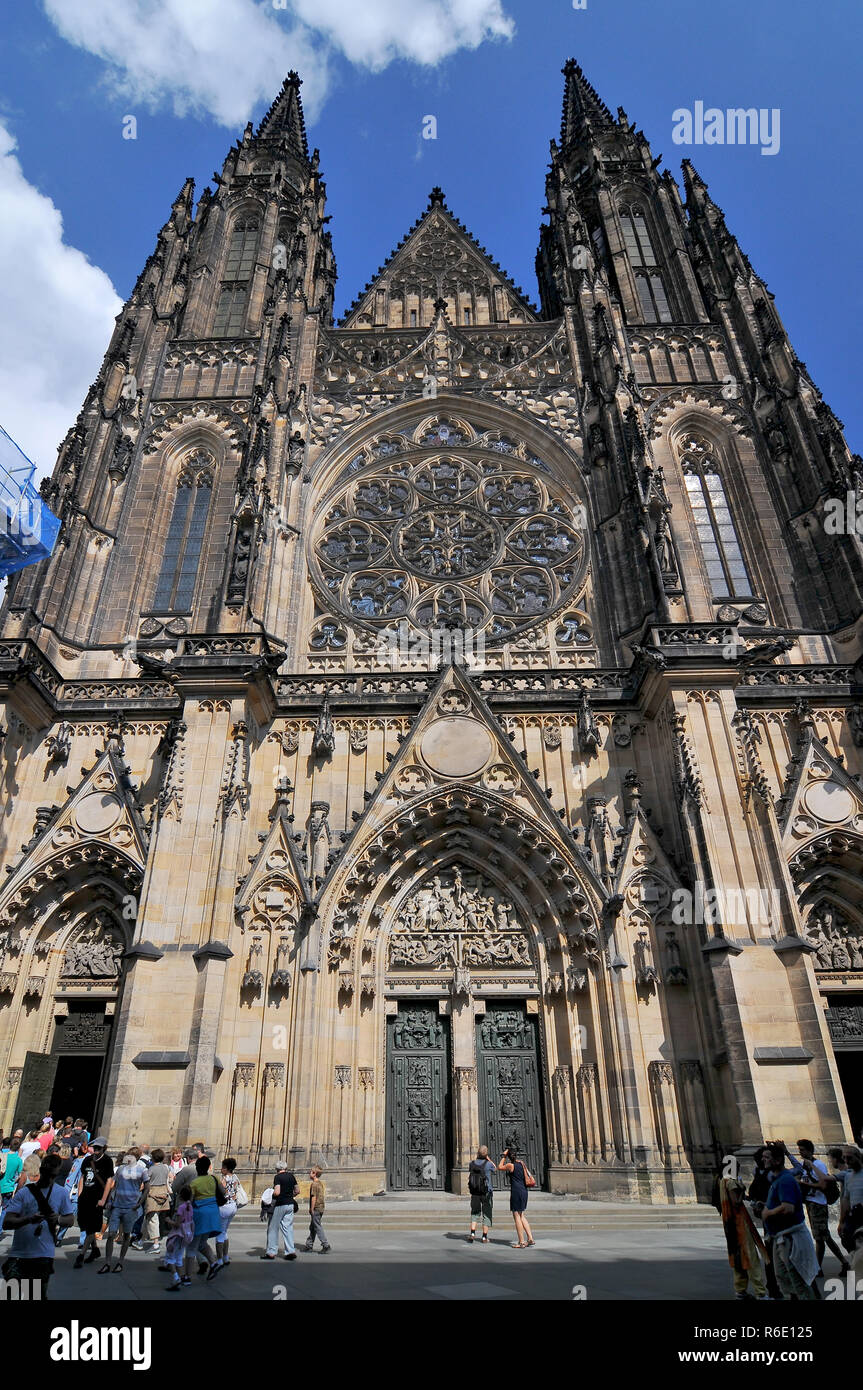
[446, 540]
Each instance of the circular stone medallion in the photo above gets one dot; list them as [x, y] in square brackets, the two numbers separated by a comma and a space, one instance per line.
[828, 801]
[456, 747]
[97, 812]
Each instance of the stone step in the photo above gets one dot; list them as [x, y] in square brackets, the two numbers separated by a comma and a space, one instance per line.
[548, 1215]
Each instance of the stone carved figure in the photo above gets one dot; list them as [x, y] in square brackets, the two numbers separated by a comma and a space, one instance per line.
[645, 970]
[317, 845]
[95, 953]
[458, 918]
[838, 943]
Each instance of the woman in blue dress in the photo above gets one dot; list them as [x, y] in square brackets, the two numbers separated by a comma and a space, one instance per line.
[518, 1174]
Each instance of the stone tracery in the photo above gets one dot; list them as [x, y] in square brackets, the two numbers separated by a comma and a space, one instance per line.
[472, 541]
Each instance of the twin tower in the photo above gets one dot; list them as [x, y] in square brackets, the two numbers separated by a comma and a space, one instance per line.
[441, 727]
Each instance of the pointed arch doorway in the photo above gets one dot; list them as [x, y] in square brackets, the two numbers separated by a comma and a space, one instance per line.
[463, 1059]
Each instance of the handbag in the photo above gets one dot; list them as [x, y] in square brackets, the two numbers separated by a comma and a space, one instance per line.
[242, 1197]
[529, 1179]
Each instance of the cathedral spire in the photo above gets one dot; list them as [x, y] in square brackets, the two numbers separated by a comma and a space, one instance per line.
[582, 106]
[285, 119]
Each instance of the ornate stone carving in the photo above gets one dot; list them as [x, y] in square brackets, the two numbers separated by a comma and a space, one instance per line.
[95, 951]
[366, 1077]
[645, 970]
[317, 844]
[465, 1078]
[235, 787]
[440, 541]
[253, 979]
[274, 1075]
[244, 1075]
[457, 919]
[675, 972]
[324, 738]
[59, 744]
[838, 943]
[34, 987]
[343, 1077]
[461, 982]
[281, 976]
[576, 979]
[13, 1077]
[562, 1077]
[359, 738]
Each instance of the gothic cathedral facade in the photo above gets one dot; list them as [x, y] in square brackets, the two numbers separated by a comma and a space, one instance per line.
[440, 727]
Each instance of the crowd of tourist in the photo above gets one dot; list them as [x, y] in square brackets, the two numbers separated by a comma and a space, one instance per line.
[174, 1206]
[793, 1204]
[171, 1205]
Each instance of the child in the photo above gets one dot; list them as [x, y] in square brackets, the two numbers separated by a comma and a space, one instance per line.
[48, 1119]
[182, 1228]
[317, 1202]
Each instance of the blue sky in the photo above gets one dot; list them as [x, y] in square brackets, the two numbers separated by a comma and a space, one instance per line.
[489, 70]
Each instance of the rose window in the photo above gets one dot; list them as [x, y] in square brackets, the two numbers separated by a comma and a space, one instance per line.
[448, 541]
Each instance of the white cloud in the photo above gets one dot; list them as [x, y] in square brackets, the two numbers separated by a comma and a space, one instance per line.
[223, 57]
[58, 310]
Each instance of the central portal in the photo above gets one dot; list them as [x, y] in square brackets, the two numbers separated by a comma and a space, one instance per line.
[510, 1104]
[419, 1143]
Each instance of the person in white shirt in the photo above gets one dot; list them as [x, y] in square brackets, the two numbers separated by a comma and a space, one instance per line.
[811, 1174]
[35, 1214]
[31, 1144]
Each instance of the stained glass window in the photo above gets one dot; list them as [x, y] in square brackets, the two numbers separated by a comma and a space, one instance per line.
[175, 589]
[714, 524]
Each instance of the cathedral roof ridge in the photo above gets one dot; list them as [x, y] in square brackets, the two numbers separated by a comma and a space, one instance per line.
[437, 204]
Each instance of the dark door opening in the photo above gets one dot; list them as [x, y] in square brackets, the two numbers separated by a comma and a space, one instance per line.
[76, 1088]
[850, 1066]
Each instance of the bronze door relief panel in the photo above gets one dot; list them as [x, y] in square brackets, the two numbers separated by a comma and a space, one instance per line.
[418, 1101]
[510, 1094]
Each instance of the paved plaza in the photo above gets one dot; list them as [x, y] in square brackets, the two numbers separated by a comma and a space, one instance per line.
[422, 1254]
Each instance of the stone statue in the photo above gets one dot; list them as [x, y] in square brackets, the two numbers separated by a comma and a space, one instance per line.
[95, 953]
[317, 844]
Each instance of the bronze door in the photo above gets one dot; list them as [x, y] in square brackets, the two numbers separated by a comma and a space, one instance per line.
[418, 1100]
[510, 1095]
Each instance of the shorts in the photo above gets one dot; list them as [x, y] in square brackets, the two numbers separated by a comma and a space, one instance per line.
[124, 1221]
[481, 1206]
[175, 1255]
[819, 1219]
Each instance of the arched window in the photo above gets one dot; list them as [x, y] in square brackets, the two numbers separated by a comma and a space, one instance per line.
[645, 267]
[234, 290]
[176, 587]
[717, 536]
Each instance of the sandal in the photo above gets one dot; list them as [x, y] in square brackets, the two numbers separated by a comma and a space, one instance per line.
[517, 1246]
[531, 1242]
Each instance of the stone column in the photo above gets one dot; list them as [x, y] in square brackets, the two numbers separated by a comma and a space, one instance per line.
[343, 1083]
[466, 1138]
[588, 1104]
[567, 1140]
[664, 1098]
[366, 1076]
[700, 1134]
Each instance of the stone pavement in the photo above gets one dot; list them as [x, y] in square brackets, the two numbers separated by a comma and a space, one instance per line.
[393, 1265]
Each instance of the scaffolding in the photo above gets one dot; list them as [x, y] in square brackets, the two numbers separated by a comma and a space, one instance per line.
[28, 530]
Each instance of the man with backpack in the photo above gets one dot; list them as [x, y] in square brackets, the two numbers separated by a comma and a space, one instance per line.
[37, 1211]
[481, 1196]
[819, 1190]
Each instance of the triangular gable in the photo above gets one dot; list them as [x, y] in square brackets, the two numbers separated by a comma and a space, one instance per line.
[457, 739]
[437, 254]
[820, 795]
[100, 822]
[274, 894]
[643, 866]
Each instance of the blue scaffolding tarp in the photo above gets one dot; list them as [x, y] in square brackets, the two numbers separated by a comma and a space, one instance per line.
[28, 530]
